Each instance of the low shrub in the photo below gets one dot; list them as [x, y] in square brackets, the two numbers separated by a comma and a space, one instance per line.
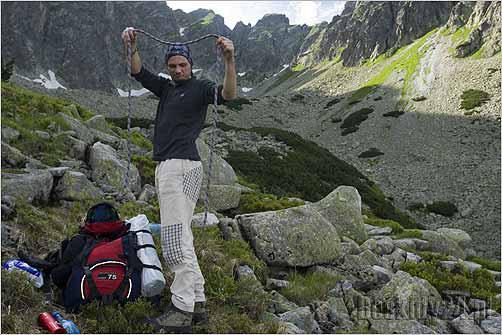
[371, 152]
[260, 202]
[130, 209]
[146, 167]
[410, 233]
[305, 289]
[473, 98]
[444, 208]
[486, 263]
[374, 221]
[356, 118]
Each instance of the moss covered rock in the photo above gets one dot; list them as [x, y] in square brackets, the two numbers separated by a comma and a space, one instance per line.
[297, 236]
[342, 208]
[75, 186]
[108, 169]
[33, 187]
[221, 197]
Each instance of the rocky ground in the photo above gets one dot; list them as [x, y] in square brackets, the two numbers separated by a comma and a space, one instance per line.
[432, 152]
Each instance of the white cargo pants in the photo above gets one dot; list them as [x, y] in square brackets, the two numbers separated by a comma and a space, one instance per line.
[178, 183]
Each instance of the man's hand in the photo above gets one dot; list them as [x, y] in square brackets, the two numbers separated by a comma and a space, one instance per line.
[227, 47]
[129, 35]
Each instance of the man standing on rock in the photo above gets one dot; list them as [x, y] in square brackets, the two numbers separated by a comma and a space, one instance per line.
[178, 176]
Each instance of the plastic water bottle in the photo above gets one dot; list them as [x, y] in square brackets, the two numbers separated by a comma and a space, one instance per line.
[34, 274]
[70, 326]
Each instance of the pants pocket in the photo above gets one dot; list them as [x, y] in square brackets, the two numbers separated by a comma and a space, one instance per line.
[172, 236]
[192, 180]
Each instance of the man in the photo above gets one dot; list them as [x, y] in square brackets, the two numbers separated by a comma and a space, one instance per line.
[180, 117]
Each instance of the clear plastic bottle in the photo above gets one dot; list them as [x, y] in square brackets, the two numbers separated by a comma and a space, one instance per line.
[34, 274]
[70, 326]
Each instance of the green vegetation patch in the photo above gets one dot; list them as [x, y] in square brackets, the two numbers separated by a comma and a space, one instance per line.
[146, 167]
[130, 209]
[444, 208]
[409, 233]
[236, 306]
[135, 122]
[308, 172]
[361, 93]
[479, 283]
[395, 114]
[352, 122]
[371, 152]
[236, 104]
[374, 221]
[305, 289]
[473, 98]
[298, 68]
[261, 202]
[27, 111]
[486, 263]
[332, 102]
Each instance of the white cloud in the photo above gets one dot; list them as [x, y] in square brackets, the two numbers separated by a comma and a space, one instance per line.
[298, 12]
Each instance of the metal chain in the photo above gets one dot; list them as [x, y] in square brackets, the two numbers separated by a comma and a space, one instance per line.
[214, 109]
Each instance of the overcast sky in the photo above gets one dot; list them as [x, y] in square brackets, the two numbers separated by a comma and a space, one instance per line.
[298, 12]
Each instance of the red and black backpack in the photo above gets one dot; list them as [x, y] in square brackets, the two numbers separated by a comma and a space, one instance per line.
[107, 268]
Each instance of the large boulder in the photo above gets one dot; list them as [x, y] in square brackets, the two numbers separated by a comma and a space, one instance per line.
[297, 236]
[408, 296]
[33, 187]
[302, 318]
[442, 244]
[12, 157]
[221, 172]
[221, 197]
[399, 327]
[108, 169]
[74, 186]
[463, 239]
[82, 132]
[342, 208]
[9, 134]
[98, 122]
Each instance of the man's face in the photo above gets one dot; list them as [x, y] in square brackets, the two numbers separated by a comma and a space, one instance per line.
[179, 68]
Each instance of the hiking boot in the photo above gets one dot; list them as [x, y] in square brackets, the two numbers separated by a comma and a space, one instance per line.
[174, 320]
[199, 313]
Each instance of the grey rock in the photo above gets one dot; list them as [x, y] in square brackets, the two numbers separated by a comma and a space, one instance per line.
[442, 244]
[107, 168]
[198, 220]
[12, 157]
[276, 284]
[438, 325]
[279, 304]
[72, 111]
[77, 148]
[148, 193]
[463, 239]
[9, 134]
[396, 258]
[491, 324]
[383, 275]
[244, 271]
[83, 132]
[411, 243]
[471, 266]
[297, 236]
[349, 246]
[289, 328]
[58, 171]
[399, 327]
[222, 173]
[342, 208]
[43, 135]
[384, 246]
[380, 231]
[34, 187]
[411, 257]
[302, 318]
[408, 296]
[75, 186]
[230, 229]
[478, 316]
[466, 325]
[477, 304]
[98, 122]
[449, 265]
[221, 197]
[495, 274]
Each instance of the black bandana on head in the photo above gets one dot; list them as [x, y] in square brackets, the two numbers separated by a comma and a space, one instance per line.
[179, 50]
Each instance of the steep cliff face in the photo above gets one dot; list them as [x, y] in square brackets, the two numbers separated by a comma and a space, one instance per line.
[80, 41]
[367, 29]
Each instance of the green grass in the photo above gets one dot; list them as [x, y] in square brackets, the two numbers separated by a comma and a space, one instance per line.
[146, 167]
[405, 59]
[261, 202]
[374, 221]
[298, 68]
[479, 283]
[130, 209]
[486, 263]
[409, 233]
[308, 172]
[208, 19]
[305, 289]
[473, 98]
